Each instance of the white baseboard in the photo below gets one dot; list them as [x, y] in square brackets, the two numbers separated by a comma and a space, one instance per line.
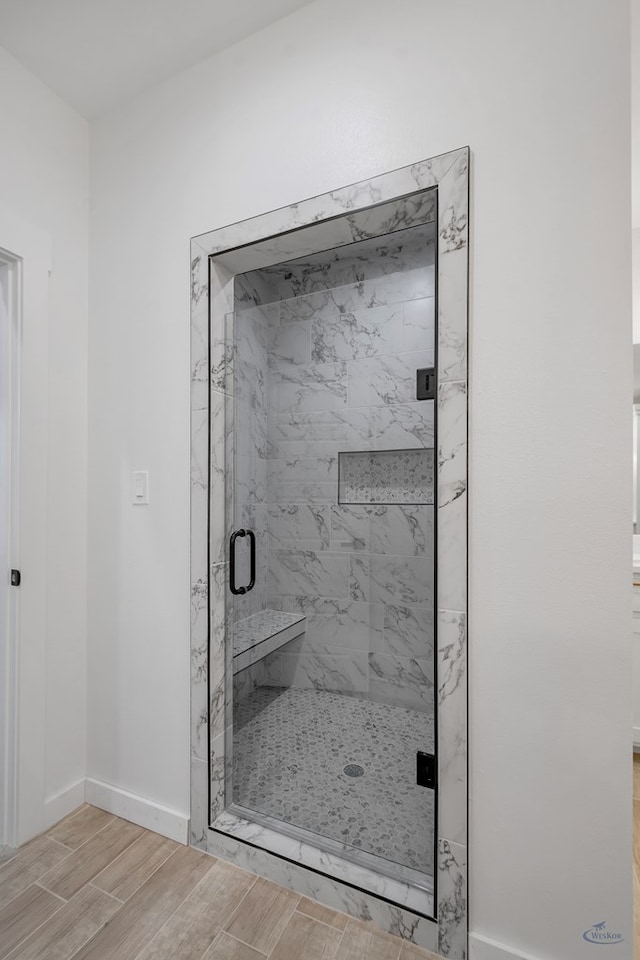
[55, 808]
[482, 948]
[636, 739]
[145, 813]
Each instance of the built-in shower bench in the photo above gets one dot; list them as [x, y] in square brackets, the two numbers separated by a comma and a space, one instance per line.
[260, 634]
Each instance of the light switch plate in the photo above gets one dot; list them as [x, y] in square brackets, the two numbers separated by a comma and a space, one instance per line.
[140, 487]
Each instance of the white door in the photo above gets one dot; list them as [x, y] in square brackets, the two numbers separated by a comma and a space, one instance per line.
[9, 406]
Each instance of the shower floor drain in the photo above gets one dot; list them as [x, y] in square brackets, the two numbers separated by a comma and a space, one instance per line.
[353, 770]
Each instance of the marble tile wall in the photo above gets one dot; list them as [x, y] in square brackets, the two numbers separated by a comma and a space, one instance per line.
[347, 331]
[251, 333]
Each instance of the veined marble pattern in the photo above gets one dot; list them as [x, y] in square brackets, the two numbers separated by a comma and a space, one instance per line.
[326, 877]
[452, 713]
[316, 343]
[348, 429]
[388, 579]
[321, 468]
[291, 344]
[289, 753]
[398, 529]
[419, 324]
[199, 330]
[291, 524]
[307, 388]
[404, 425]
[300, 668]
[452, 900]
[338, 626]
[379, 381]
[351, 298]
[364, 259]
[370, 332]
[355, 198]
[390, 218]
[199, 653]
[401, 681]
[449, 174]
[253, 289]
[250, 329]
[389, 476]
[407, 631]
[307, 572]
[452, 494]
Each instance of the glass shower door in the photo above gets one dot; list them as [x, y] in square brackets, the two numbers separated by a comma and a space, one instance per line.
[332, 511]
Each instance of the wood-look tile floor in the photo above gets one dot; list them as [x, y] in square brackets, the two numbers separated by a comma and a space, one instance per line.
[96, 887]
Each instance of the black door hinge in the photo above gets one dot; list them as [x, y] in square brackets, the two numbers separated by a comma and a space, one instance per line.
[15, 578]
[425, 769]
[425, 383]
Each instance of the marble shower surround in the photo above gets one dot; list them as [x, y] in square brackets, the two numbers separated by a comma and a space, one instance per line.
[293, 863]
[345, 331]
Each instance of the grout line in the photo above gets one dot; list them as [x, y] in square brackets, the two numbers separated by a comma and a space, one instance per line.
[280, 887]
[9, 860]
[126, 850]
[59, 844]
[173, 912]
[81, 848]
[234, 936]
[41, 884]
[93, 836]
[70, 816]
[240, 902]
[106, 826]
[245, 944]
[323, 922]
[90, 883]
[40, 925]
[91, 935]
[57, 895]
[34, 883]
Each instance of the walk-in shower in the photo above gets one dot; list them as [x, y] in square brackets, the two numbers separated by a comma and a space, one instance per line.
[329, 626]
[333, 482]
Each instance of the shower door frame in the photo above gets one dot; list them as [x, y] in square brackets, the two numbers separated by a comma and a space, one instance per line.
[438, 923]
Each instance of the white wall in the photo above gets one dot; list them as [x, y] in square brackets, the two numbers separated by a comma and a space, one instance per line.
[635, 247]
[333, 94]
[44, 184]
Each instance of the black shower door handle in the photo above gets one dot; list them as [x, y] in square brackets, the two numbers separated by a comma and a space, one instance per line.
[232, 561]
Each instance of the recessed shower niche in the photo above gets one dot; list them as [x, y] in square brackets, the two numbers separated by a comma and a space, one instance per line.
[334, 592]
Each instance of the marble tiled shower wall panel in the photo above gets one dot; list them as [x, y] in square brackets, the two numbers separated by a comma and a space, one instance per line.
[346, 334]
[251, 334]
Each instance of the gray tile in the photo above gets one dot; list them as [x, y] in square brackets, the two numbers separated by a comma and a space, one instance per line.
[304, 388]
[290, 751]
[394, 529]
[404, 425]
[401, 681]
[351, 336]
[380, 381]
[307, 572]
[386, 579]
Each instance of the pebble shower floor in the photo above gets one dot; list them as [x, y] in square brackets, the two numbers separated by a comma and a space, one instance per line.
[291, 747]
